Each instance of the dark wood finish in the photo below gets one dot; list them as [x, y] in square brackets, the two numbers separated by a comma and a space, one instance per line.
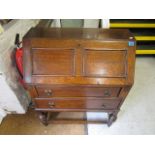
[77, 103]
[77, 91]
[43, 116]
[112, 117]
[68, 69]
[53, 62]
[109, 63]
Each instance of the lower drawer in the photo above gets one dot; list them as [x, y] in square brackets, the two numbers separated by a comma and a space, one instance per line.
[79, 103]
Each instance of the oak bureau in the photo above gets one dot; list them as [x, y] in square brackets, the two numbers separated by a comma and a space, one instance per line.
[73, 69]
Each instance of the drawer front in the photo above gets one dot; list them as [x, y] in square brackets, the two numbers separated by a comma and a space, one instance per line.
[76, 103]
[77, 92]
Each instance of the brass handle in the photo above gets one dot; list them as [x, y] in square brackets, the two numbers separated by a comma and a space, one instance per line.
[103, 106]
[106, 93]
[48, 92]
[51, 104]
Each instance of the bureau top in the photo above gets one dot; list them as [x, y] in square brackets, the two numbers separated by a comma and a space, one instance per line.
[79, 33]
[71, 56]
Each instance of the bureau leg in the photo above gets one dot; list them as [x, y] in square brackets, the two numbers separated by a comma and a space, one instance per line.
[43, 116]
[112, 118]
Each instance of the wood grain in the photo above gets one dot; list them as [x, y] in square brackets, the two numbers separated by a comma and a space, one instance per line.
[76, 69]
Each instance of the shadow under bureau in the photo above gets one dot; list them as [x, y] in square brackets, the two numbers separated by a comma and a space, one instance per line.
[72, 69]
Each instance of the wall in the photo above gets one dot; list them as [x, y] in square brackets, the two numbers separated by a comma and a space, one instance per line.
[13, 98]
[85, 23]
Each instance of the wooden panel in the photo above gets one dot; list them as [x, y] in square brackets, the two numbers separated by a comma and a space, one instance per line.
[95, 77]
[53, 62]
[77, 103]
[105, 63]
[77, 91]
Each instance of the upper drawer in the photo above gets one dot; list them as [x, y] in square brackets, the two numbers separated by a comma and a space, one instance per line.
[77, 91]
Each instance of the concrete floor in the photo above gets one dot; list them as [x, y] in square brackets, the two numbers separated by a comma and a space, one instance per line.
[137, 115]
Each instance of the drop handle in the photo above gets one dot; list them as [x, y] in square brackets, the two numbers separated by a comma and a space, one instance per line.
[103, 106]
[51, 104]
[48, 92]
[106, 93]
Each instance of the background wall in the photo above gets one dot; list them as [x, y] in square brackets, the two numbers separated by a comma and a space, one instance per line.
[13, 98]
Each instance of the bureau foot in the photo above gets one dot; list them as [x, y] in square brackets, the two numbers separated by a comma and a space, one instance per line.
[43, 116]
[112, 118]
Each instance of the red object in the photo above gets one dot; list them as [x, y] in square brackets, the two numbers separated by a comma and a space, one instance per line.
[19, 60]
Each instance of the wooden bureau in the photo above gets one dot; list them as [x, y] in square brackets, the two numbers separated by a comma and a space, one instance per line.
[70, 69]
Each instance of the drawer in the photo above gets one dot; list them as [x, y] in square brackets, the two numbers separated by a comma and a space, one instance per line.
[78, 91]
[73, 103]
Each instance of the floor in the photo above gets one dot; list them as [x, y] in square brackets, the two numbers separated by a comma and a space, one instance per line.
[30, 125]
[137, 115]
